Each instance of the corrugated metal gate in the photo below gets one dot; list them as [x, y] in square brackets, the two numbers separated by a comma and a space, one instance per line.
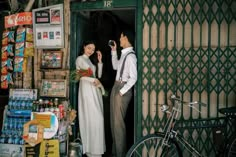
[189, 49]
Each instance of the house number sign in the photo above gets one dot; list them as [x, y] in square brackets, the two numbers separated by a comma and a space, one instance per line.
[107, 3]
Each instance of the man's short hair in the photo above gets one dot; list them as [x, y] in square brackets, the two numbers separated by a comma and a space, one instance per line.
[130, 35]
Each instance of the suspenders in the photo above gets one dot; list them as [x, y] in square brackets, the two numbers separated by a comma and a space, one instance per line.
[122, 66]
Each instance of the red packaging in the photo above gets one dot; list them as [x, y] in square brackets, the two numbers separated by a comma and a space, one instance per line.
[61, 110]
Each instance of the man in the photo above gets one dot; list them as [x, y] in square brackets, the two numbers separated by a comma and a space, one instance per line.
[121, 94]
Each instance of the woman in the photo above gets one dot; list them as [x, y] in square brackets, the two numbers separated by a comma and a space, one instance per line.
[91, 119]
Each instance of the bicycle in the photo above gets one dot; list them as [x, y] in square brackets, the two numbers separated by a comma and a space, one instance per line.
[166, 143]
[227, 146]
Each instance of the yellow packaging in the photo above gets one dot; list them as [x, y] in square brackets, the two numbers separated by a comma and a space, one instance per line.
[49, 148]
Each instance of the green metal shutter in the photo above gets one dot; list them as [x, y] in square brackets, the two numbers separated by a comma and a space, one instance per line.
[188, 49]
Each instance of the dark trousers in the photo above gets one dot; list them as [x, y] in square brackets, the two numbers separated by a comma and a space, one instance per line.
[118, 108]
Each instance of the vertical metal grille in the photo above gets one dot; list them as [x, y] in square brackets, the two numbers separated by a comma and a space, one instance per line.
[189, 49]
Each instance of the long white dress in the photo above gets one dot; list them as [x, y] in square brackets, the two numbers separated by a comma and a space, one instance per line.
[90, 106]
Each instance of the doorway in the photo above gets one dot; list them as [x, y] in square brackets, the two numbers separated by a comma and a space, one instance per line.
[101, 26]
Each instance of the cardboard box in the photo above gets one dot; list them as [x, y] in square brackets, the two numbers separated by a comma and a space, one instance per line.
[7, 150]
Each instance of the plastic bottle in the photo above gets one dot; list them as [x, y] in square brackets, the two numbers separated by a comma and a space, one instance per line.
[41, 109]
[47, 107]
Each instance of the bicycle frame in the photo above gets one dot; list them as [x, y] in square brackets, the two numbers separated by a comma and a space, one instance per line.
[169, 143]
[169, 129]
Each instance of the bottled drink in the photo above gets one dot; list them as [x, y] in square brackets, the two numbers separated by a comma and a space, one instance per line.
[30, 105]
[61, 111]
[2, 138]
[15, 123]
[22, 105]
[56, 102]
[11, 124]
[21, 141]
[57, 113]
[37, 107]
[16, 140]
[41, 109]
[47, 107]
[10, 140]
[6, 124]
[18, 104]
[51, 106]
[56, 109]
[10, 104]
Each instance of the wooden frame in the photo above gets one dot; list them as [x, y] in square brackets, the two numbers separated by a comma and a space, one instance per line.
[53, 88]
[51, 59]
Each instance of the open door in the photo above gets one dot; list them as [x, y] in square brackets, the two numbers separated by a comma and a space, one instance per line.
[101, 26]
[79, 23]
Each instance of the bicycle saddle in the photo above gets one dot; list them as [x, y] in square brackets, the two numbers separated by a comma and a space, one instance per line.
[229, 111]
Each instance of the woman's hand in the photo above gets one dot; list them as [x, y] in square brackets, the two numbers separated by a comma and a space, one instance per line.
[99, 55]
[97, 82]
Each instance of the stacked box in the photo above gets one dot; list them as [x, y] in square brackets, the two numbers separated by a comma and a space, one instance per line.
[16, 114]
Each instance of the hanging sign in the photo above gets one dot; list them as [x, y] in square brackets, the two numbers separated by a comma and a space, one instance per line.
[108, 3]
[33, 132]
[50, 122]
[42, 17]
[49, 148]
[48, 27]
[23, 94]
[24, 18]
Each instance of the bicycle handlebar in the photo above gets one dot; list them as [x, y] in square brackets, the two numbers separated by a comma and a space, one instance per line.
[173, 97]
[190, 104]
[198, 102]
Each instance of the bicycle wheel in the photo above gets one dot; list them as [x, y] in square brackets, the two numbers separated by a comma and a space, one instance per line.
[151, 146]
[231, 148]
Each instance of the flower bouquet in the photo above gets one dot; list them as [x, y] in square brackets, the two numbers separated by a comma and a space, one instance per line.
[75, 76]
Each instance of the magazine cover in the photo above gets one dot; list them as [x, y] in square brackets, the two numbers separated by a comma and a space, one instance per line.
[55, 15]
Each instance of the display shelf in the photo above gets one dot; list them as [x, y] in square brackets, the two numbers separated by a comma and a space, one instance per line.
[16, 114]
[57, 109]
[51, 70]
[21, 109]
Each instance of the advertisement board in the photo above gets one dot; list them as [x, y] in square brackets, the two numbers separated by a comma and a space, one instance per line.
[23, 18]
[53, 88]
[48, 27]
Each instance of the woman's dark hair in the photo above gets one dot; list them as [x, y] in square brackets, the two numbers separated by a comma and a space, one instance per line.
[85, 43]
[130, 35]
[93, 57]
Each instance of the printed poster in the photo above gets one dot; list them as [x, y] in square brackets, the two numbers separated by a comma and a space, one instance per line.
[50, 36]
[55, 16]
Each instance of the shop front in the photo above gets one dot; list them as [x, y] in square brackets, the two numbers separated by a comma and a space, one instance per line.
[36, 115]
[186, 48]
